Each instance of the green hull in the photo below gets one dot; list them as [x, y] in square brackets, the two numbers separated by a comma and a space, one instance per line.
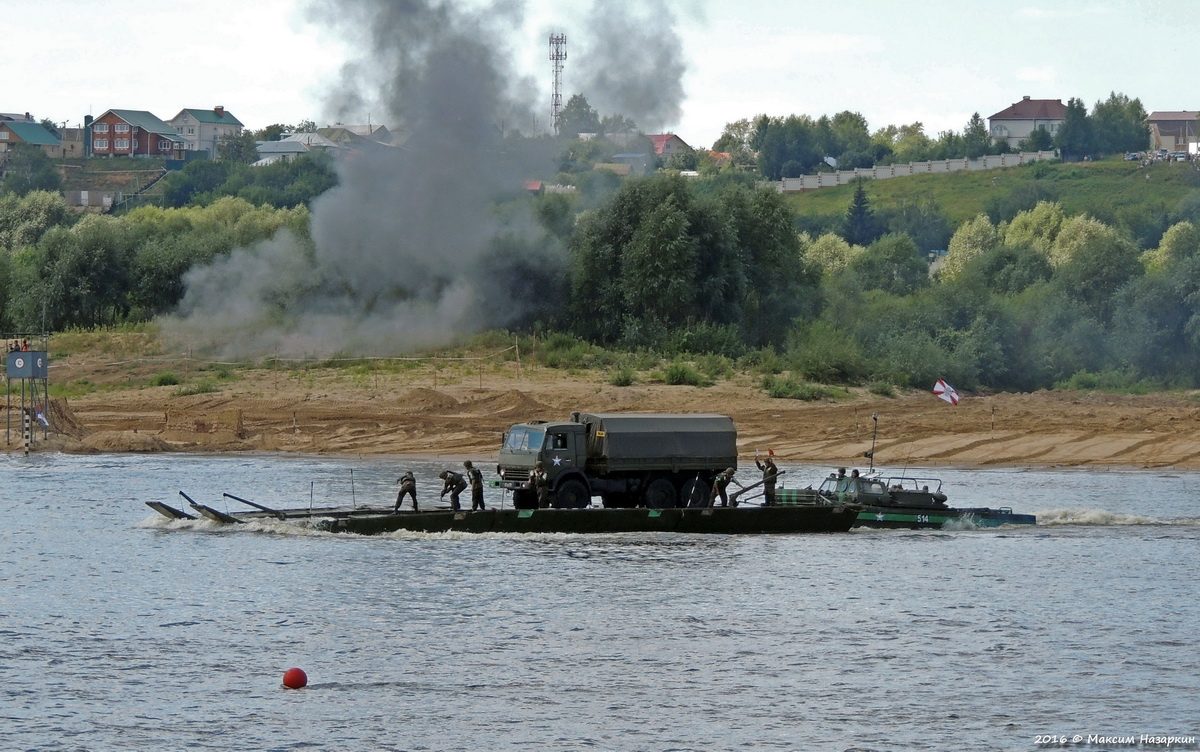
[718, 521]
[883, 517]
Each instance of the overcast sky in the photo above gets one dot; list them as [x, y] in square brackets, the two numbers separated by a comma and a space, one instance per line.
[935, 62]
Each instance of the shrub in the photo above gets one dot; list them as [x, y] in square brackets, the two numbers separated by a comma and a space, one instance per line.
[622, 376]
[1111, 380]
[792, 388]
[882, 388]
[206, 386]
[715, 366]
[164, 379]
[764, 360]
[679, 373]
[822, 352]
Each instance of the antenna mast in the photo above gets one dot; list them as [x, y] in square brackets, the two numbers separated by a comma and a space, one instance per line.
[558, 53]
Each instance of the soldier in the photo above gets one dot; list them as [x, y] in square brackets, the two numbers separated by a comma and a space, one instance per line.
[454, 483]
[718, 488]
[408, 486]
[476, 479]
[770, 472]
[541, 484]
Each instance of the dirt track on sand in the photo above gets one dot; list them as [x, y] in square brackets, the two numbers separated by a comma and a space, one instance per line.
[423, 412]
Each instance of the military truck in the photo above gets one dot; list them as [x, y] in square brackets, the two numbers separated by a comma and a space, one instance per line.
[627, 459]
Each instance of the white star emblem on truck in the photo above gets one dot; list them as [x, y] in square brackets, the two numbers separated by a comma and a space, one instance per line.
[557, 460]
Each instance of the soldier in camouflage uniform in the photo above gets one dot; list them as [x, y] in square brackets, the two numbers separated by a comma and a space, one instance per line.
[476, 479]
[541, 484]
[408, 487]
[453, 483]
[720, 483]
[770, 472]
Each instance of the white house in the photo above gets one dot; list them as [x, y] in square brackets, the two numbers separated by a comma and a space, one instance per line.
[1019, 120]
[202, 130]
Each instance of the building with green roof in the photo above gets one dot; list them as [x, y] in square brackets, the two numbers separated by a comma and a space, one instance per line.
[202, 130]
[14, 132]
[133, 133]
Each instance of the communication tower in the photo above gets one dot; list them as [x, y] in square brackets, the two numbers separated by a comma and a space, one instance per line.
[558, 53]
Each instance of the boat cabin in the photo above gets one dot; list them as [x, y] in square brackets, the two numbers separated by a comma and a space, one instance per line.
[880, 490]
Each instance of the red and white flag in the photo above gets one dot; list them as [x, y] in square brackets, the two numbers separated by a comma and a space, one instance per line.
[946, 392]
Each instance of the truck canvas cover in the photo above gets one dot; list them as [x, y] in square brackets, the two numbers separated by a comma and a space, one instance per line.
[682, 440]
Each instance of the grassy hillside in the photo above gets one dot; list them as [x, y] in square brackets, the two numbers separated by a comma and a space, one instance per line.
[1108, 189]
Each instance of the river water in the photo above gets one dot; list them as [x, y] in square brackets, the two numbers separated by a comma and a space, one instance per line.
[120, 630]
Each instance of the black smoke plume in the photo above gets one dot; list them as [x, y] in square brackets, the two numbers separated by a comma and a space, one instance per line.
[407, 251]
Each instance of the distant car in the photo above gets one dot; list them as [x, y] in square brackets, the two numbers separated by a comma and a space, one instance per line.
[1132, 157]
[1180, 156]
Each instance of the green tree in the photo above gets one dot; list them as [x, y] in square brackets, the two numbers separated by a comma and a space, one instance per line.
[780, 285]
[949, 145]
[1181, 241]
[611, 125]
[911, 144]
[577, 116]
[198, 177]
[28, 169]
[921, 219]
[657, 267]
[892, 264]
[82, 275]
[1036, 228]
[976, 140]
[24, 219]
[787, 147]
[972, 239]
[861, 227]
[735, 141]
[1009, 270]
[238, 147]
[1120, 125]
[1075, 139]
[1039, 140]
[272, 132]
[684, 160]
[1092, 261]
[830, 253]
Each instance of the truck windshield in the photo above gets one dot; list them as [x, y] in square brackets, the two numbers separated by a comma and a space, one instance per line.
[521, 438]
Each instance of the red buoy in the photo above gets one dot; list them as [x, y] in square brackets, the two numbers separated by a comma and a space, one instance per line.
[295, 678]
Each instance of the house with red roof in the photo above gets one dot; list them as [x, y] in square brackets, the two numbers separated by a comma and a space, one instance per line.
[1019, 120]
[1173, 130]
[134, 133]
[666, 144]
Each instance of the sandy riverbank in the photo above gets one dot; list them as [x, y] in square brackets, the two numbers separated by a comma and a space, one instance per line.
[465, 414]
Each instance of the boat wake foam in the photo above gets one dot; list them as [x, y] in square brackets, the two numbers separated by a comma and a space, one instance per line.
[1100, 517]
[262, 526]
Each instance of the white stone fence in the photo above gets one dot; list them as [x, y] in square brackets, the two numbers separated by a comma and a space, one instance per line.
[842, 177]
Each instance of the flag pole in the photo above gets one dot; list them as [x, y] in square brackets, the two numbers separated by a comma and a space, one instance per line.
[874, 433]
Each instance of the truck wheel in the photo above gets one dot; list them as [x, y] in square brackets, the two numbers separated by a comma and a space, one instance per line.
[695, 493]
[572, 495]
[660, 494]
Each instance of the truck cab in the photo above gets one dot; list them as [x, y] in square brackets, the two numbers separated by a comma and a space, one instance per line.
[562, 450]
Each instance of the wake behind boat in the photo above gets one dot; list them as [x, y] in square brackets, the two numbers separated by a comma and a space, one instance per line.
[742, 520]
